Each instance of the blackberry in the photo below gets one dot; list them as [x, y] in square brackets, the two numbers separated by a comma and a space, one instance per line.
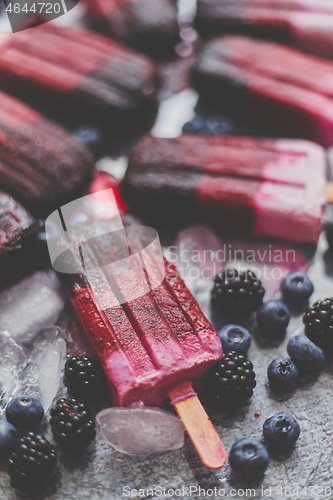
[33, 459]
[318, 321]
[83, 377]
[231, 380]
[71, 424]
[237, 292]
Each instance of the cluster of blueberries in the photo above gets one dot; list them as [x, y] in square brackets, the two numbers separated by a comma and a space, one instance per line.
[250, 457]
[22, 412]
[31, 458]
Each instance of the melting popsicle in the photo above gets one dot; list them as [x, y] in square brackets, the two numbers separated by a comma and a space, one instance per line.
[270, 84]
[239, 185]
[304, 24]
[149, 332]
[78, 74]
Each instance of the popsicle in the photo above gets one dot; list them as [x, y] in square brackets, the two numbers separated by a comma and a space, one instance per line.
[304, 24]
[40, 163]
[149, 332]
[16, 226]
[78, 75]
[148, 25]
[270, 84]
[239, 185]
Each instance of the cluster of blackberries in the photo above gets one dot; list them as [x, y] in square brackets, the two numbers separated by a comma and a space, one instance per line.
[31, 457]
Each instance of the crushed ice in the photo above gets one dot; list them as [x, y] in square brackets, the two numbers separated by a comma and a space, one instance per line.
[30, 306]
[43, 374]
[35, 370]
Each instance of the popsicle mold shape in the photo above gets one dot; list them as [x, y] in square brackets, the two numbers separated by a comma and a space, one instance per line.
[40, 163]
[234, 184]
[148, 331]
[270, 84]
[78, 75]
[304, 24]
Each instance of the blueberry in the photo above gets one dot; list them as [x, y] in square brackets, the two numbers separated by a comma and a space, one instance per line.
[248, 457]
[281, 430]
[24, 412]
[282, 374]
[8, 437]
[304, 353]
[197, 125]
[91, 137]
[273, 317]
[219, 125]
[296, 287]
[235, 338]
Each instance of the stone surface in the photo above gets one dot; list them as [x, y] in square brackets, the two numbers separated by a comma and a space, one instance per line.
[103, 473]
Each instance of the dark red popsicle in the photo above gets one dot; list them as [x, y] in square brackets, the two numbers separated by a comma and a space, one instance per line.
[237, 185]
[41, 165]
[270, 84]
[148, 25]
[78, 74]
[305, 24]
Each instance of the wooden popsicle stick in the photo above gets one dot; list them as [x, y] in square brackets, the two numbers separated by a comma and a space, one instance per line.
[198, 426]
[329, 192]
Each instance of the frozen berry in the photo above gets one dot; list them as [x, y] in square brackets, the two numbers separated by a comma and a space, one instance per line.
[237, 292]
[219, 125]
[296, 287]
[83, 377]
[273, 317]
[281, 430]
[231, 380]
[318, 321]
[71, 424]
[197, 125]
[235, 338]
[248, 458]
[91, 137]
[24, 412]
[8, 437]
[304, 353]
[282, 374]
[32, 461]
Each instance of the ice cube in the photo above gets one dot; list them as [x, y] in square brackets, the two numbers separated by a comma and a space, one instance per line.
[30, 306]
[12, 365]
[198, 247]
[43, 374]
[197, 258]
[140, 430]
